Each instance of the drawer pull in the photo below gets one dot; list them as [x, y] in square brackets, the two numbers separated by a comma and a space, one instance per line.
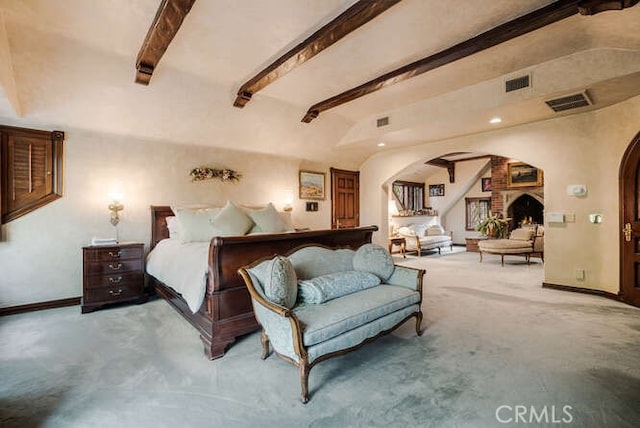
[115, 280]
[116, 293]
[115, 266]
[115, 255]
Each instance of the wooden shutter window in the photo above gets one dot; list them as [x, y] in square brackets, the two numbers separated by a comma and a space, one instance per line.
[31, 170]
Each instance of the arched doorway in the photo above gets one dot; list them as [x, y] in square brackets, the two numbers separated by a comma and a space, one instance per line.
[630, 224]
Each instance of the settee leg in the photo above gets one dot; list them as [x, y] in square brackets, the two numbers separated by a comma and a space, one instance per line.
[480, 256]
[304, 381]
[502, 259]
[418, 324]
[264, 339]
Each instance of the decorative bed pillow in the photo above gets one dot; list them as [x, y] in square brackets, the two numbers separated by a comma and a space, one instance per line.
[374, 259]
[174, 227]
[231, 220]
[267, 220]
[194, 224]
[280, 283]
[331, 286]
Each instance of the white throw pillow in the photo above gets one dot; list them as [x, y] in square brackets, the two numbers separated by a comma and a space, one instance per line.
[267, 220]
[195, 224]
[174, 227]
[435, 230]
[404, 230]
[231, 220]
[522, 234]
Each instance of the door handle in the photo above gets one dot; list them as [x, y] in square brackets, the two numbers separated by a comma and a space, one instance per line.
[627, 232]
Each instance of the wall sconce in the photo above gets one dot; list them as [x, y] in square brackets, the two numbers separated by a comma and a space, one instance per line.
[288, 204]
[115, 206]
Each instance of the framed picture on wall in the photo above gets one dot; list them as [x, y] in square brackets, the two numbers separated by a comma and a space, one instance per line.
[312, 185]
[486, 184]
[436, 190]
[520, 174]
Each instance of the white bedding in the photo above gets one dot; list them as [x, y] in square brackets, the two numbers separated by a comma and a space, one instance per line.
[183, 267]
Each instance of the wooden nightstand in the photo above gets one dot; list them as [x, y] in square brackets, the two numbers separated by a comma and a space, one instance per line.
[112, 274]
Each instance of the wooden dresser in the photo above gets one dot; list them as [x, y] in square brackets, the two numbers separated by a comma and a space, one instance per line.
[112, 274]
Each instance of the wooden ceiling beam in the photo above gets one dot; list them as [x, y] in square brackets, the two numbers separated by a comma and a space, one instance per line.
[165, 25]
[357, 15]
[524, 24]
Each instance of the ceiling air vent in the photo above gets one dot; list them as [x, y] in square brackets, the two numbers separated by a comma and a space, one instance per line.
[517, 83]
[383, 121]
[570, 102]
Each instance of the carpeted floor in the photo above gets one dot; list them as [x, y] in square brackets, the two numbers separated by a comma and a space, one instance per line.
[497, 350]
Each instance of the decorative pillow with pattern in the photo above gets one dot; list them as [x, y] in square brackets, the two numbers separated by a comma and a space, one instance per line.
[333, 285]
[280, 283]
[374, 259]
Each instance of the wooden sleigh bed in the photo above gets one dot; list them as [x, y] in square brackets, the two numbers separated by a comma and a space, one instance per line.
[226, 312]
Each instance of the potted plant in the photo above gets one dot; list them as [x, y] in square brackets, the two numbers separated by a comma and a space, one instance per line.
[494, 227]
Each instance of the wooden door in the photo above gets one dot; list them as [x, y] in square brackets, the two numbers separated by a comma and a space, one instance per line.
[345, 198]
[630, 224]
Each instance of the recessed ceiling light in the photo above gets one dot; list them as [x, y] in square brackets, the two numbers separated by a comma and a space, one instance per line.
[381, 144]
[495, 120]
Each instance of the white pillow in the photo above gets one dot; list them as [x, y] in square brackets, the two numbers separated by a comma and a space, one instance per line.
[267, 220]
[195, 224]
[174, 227]
[231, 220]
[522, 234]
[435, 230]
[404, 230]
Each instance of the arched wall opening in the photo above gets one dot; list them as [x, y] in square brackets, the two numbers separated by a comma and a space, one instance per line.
[573, 149]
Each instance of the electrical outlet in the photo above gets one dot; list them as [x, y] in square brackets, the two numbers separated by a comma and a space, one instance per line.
[570, 217]
[579, 274]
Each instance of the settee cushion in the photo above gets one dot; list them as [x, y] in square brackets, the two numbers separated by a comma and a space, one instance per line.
[331, 286]
[335, 317]
[505, 246]
[280, 282]
[374, 259]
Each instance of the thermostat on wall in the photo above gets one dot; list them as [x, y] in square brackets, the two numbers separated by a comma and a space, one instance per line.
[555, 217]
[577, 189]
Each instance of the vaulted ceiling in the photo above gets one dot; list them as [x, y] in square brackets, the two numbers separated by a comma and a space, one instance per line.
[70, 64]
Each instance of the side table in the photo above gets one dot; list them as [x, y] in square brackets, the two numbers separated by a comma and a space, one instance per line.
[399, 241]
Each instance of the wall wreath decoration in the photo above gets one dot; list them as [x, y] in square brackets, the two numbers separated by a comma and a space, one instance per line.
[205, 173]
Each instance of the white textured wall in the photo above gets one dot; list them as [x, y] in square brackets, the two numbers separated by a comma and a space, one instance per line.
[578, 149]
[41, 258]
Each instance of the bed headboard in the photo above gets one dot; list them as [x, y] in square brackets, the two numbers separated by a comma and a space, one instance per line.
[159, 230]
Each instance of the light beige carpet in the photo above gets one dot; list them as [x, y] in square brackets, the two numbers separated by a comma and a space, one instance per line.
[497, 350]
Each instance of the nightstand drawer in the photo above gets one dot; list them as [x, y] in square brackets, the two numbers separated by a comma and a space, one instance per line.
[113, 293]
[113, 267]
[113, 253]
[114, 280]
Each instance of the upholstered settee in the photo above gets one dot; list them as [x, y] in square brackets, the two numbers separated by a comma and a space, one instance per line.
[316, 303]
[420, 237]
[521, 242]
